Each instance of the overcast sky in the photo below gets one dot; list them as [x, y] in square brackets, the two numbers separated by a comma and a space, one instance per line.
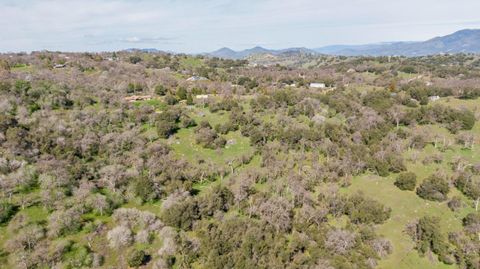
[204, 25]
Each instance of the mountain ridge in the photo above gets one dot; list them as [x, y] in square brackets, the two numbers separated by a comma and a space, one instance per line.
[228, 53]
[462, 41]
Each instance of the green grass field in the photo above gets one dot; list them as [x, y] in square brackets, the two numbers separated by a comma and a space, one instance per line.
[407, 206]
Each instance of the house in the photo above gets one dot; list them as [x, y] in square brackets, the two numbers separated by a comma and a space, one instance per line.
[318, 85]
[59, 66]
[434, 98]
[196, 78]
[134, 98]
[201, 96]
[351, 70]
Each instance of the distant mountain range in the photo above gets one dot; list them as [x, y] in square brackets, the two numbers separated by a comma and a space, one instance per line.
[464, 41]
[228, 53]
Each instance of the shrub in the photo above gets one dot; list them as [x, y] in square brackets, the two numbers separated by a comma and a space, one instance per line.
[144, 189]
[364, 210]
[136, 258]
[134, 59]
[429, 237]
[78, 257]
[208, 137]
[181, 214]
[433, 188]
[182, 93]
[170, 100]
[455, 203]
[408, 69]
[166, 128]
[160, 90]
[6, 212]
[472, 219]
[406, 181]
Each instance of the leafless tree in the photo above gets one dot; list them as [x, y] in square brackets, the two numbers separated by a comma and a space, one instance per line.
[340, 241]
[119, 237]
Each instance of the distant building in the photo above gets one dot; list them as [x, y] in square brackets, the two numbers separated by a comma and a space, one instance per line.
[196, 78]
[434, 98]
[201, 96]
[134, 98]
[318, 85]
[351, 70]
[59, 66]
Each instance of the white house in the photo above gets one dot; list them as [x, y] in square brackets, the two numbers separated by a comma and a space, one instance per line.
[318, 85]
[202, 96]
[434, 98]
[196, 78]
[60, 66]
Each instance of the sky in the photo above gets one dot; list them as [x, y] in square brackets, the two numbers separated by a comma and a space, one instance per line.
[195, 26]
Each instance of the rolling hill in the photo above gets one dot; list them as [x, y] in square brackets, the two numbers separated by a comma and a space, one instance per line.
[463, 41]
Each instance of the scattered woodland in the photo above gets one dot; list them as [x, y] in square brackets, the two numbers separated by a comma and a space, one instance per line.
[156, 160]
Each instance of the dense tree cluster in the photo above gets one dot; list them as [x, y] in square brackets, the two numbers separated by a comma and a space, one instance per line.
[95, 170]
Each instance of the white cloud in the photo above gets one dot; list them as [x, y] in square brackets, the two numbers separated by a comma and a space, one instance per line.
[195, 26]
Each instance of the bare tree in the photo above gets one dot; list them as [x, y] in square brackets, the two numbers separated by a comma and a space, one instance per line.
[119, 237]
[340, 241]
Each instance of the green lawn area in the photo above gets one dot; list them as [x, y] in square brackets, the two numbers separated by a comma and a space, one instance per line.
[184, 140]
[21, 67]
[407, 206]
[203, 114]
[403, 75]
[158, 104]
[191, 62]
[186, 147]
[471, 104]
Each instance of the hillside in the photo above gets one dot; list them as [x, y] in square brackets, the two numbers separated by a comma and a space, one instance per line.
[464, 41]
[243, 54]
[136, 159]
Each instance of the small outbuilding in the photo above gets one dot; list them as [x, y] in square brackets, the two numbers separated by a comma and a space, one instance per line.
[196, 78]
[60, 66]
[318, 85]
[201, 96]
[134, 98]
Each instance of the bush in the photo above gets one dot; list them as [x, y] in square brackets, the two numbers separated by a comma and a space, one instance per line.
[472, 219]
[455, 203]
[406, 181]
[160, 90]
[6, 212]
[166, 128]
[134, 59]
[136, 258]
[182, 93]
[434, 188]
[467, 118]
[364, 210]
[144, 189]
[78, 257]
[408, 69]
[207, 137]
[182, 214]
[170, 100]
[429, 237]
